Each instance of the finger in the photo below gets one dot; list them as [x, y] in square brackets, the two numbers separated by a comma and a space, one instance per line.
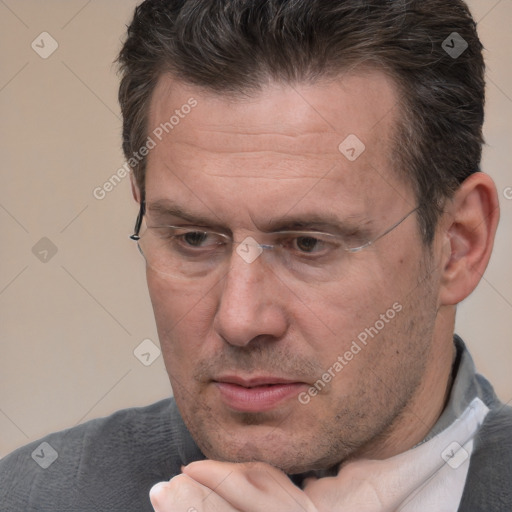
[250, 487]
[183, 494]
[308, 481]
[332, 494]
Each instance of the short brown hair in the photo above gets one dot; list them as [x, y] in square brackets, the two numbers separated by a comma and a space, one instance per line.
[236, 46]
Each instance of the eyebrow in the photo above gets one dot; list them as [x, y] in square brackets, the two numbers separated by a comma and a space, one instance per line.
[314, 221]
[166, 208]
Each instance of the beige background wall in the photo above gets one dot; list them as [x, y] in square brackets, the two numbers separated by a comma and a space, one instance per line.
[70, 321]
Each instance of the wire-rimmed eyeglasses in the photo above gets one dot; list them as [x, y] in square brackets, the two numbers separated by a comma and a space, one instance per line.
[191, 253]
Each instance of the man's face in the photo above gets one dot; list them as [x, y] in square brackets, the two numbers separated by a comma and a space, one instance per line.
[245, 344]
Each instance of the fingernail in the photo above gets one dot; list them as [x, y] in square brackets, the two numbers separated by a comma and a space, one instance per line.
[157, 489]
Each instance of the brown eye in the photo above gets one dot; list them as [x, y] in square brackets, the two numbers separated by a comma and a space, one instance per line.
[306, 243]
[195, 238]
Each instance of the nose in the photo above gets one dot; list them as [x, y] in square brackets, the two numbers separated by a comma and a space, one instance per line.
[251, 303]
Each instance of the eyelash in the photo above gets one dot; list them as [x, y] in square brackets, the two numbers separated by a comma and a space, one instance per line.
[320, 246]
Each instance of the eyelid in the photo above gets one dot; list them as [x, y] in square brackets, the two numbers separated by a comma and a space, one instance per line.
[296, 232]
[310, 233]
[191, 229]
[333, 237]
[273, 235]
[160, 222]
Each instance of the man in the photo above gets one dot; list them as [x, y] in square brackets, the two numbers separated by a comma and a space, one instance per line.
[311, 213]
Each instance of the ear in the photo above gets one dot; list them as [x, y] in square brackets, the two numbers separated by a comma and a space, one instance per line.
[468, 237]
[135, 188]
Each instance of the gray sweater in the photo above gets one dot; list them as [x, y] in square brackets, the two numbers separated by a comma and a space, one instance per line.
[109, 464]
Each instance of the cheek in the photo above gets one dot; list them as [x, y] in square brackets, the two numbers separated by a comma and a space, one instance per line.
[183, 318]
[362, 315]
[339, 309]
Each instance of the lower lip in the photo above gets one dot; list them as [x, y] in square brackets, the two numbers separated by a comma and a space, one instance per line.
[259, 398]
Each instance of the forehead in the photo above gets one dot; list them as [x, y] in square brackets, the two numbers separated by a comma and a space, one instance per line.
[362, 101]
[333, 136]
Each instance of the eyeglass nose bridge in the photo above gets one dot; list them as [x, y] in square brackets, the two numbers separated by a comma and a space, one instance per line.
[250, 249]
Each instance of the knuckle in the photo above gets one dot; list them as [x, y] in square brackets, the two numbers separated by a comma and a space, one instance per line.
[258, 475]
[182, 490]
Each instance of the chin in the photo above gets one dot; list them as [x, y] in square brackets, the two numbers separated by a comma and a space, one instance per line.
[278, 452]
[291, 443]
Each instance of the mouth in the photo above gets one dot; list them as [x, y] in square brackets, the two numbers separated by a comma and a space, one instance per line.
[256, 394]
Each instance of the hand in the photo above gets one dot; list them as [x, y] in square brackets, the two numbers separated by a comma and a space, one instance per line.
[359, 486]
[211, 486]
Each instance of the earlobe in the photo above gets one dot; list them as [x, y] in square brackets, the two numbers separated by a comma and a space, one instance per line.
[468, 237]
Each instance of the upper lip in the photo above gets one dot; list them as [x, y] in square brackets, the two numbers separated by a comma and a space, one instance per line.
[250, 382]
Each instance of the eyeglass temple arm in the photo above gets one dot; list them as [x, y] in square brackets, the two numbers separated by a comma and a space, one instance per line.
[138, 222]
[389, 229]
